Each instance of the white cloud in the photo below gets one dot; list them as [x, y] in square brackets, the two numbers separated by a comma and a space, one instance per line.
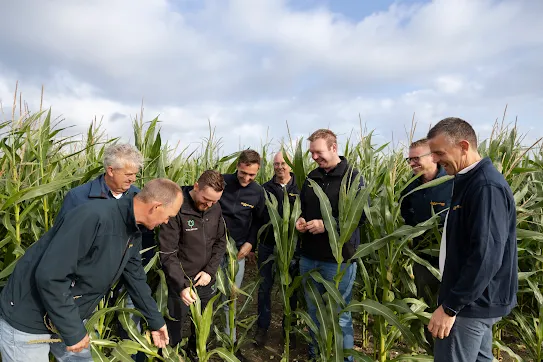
[249, 66]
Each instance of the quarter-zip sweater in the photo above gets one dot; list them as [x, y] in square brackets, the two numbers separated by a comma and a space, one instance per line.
[242, 209]
[317, 246]
[480, 277]
[64, 275]
[192, 242]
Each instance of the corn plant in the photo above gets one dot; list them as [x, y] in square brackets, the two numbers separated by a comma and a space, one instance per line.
[226, 284]
[286, 237]
[202, 321]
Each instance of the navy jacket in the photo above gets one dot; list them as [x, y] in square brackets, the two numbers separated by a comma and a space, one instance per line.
[417, 207]
[97, 189]
[480, 275]
[63, 276]
[267, 237]
[317, 246]
[242, 209]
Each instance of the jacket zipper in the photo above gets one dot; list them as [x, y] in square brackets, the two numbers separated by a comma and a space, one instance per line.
[113, 280]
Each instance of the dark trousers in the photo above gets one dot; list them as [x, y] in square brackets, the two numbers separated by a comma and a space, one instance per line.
[427, 287]
[267, 272]
[179, 311]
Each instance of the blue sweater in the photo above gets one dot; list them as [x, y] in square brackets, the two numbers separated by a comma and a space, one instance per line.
[480, 275]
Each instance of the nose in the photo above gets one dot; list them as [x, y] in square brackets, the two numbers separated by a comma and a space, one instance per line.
[412, 162]
[314, 156]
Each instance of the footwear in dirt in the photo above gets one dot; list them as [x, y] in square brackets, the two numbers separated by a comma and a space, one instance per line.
[260, 337]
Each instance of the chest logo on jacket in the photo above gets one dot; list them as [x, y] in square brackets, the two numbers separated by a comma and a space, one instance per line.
[457, 207]
[247, 205]
[190, 225]
[434, 203]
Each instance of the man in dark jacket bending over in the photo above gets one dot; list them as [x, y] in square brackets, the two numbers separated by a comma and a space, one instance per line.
[61, 279]
[478, 253]
[192, 246]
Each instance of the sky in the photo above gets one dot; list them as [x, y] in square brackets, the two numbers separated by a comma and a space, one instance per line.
[247, 67]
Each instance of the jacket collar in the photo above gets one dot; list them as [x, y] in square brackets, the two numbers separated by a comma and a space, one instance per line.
[100, 190]
[463, 177]
[337, 171]
[126, 208]
[289, 184]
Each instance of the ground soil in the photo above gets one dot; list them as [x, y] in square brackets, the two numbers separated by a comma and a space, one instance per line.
[273, 350]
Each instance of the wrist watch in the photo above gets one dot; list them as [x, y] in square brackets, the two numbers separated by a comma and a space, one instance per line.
[449, 311]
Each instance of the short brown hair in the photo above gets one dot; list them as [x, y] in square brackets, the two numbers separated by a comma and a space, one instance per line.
[211, 178]
[249, 157]
[161, 190]
[455, 128]
[419, 143]
[326, 134]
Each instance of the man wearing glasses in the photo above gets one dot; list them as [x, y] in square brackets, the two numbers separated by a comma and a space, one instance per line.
[418, 207]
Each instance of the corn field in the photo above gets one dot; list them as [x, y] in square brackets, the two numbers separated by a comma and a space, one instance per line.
[38, 166]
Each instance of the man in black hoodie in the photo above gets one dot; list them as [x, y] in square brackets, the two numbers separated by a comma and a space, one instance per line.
[282, 181]
[192, 246]
[242, 206]
[478, 253]
[315, 247]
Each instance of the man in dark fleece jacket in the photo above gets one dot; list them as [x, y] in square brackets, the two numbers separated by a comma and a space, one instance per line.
[315, 247]
[242, 204]
[61, 279]
[192, 246]
[478, 253]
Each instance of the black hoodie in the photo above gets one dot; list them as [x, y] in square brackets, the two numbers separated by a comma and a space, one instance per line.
[317, 246]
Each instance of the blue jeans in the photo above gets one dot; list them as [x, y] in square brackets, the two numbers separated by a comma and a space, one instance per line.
[15, 346]
[470, 340]
[267, 272]
[238, 281]
[328, 271]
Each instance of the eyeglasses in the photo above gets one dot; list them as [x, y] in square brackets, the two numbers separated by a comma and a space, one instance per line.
[417, 158]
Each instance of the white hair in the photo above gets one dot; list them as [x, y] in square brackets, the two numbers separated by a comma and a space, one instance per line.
[122, 155]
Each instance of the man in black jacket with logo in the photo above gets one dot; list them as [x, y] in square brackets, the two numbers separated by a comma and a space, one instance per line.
[192, 246]
[282, 181]
[61, 279]
[418, 206]
[478, 253]
[315, 247]
[242, 206]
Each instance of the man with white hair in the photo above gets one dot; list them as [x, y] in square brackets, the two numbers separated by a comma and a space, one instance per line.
[122, 162]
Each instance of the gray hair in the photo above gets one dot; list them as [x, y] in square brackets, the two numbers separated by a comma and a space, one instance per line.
[121, 155]
[161, 190]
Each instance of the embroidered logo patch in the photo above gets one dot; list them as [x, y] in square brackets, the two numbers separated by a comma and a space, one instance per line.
[247, 205]
[434, 203]
[190, 225]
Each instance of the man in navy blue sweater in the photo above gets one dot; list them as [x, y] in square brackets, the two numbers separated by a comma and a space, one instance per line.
[478, 253]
